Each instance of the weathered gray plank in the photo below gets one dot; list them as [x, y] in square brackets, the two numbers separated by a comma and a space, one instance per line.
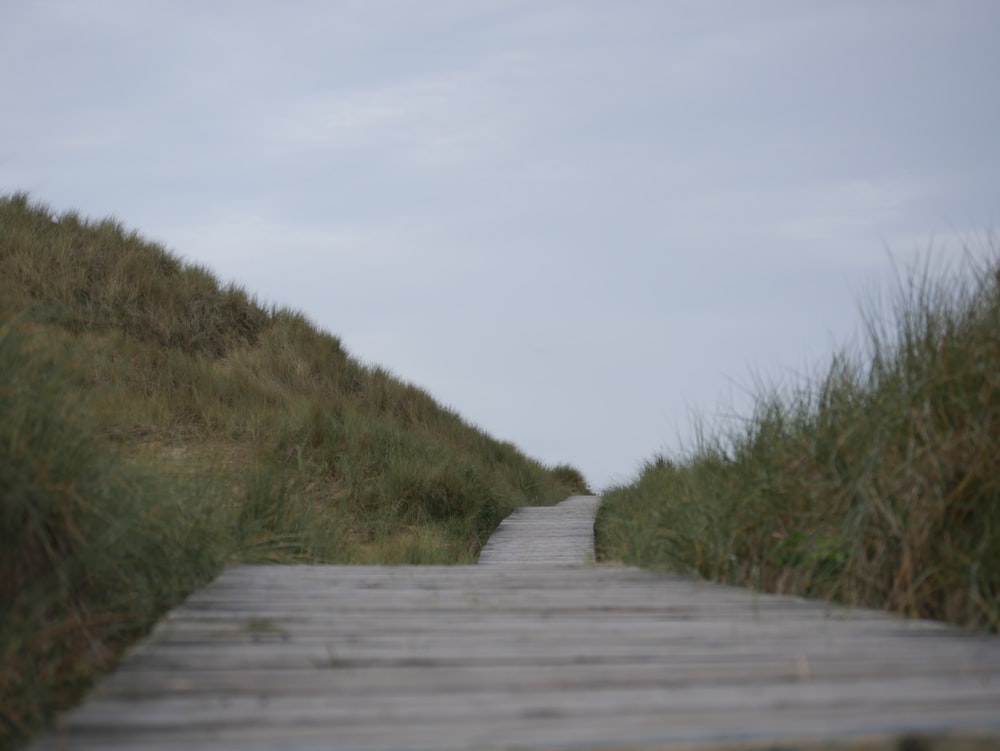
[531, 656]
[545, 534]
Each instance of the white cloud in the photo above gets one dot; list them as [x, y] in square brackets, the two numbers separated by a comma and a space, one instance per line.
[436, 121]
[848, 209]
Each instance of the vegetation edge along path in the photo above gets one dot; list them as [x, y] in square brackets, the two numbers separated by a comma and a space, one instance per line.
[533, 656]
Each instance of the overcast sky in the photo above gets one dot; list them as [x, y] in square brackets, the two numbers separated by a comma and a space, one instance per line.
[577, 222]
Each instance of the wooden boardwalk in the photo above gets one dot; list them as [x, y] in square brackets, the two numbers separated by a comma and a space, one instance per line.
[541, 656]
[545, 534]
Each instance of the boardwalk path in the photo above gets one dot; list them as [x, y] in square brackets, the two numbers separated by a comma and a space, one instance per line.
[545, 534]
[548, 656]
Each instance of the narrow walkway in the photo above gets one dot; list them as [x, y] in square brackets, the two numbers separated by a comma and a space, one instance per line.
[532, 657]
[545, 534]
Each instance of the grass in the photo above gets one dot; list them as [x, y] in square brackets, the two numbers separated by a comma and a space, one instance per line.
[873, 483]
[156, 425]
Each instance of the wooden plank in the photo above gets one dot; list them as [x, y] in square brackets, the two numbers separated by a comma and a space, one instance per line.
[545, 534]
[545, 656]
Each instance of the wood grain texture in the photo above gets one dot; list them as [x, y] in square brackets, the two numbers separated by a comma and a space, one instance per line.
[534, 656]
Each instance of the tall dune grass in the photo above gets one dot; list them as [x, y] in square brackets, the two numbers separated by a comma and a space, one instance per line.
[875, 483]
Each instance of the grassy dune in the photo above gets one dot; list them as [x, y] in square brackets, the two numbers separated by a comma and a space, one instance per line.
[156, 425]
[875, 483]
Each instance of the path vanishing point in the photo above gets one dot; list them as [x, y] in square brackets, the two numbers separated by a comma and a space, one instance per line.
[535, 648]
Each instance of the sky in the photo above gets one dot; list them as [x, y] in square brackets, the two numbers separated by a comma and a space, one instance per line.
[585, 225]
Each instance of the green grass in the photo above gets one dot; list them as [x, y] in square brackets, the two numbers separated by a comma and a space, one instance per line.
[874, 483]
[156, 425]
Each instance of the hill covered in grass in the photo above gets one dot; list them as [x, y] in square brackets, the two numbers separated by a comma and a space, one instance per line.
[156, 425]
[875, 483]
